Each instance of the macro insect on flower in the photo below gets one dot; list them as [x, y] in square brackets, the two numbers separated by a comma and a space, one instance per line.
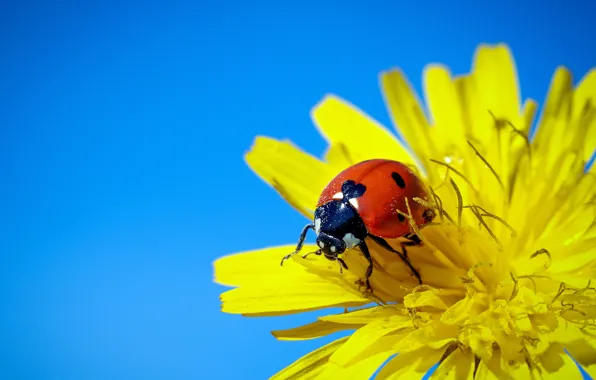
[507, 265]
[369, 200]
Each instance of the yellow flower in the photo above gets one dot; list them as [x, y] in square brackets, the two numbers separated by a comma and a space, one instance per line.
[507, 271]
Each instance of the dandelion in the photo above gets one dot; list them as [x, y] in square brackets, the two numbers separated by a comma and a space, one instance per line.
[509, 267]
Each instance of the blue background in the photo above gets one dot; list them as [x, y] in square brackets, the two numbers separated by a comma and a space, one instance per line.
[122, 130]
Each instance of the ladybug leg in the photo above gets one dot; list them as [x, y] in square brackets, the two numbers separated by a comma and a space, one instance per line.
[407, 260]
[413, 240]
[342, 264]
[300, 242]
[369, 270]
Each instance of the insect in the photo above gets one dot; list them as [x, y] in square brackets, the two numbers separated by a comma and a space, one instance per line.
[361, 203]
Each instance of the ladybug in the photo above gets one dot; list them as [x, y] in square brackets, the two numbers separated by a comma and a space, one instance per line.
[361, 203]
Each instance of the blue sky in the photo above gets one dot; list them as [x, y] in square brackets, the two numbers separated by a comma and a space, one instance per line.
[122, 130]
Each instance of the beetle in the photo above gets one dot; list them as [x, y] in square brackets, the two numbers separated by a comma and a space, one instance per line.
[361, 203]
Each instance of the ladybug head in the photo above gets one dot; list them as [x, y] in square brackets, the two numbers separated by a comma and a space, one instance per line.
[338, 227]
[330, 246]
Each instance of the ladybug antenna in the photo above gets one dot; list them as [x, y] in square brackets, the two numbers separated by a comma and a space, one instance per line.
[317, 252]
[351, 189]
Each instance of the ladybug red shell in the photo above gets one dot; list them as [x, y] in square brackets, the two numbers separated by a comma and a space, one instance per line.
[388, 184]
[361, 203]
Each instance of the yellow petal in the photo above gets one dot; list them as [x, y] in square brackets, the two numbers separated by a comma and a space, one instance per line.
[585, 92]
[437, 335]
[340, 156]
[575, 214]
[497, 83]
[362, 369]
[313, 330]
[494, 372]
[583, 351]
[298, 285]
[252, 267]
[459, 311]
[591, 370]
[553, 133]
[342, 123]
[411, 365]
[442, 99]
[425, 298]
[480, 340]
[288, 298]
[574, 280]
[311, 364]
[458, 366]
[576, 262]
[498, 94]
[412, 341]
[523, 372]
[566, 332]
[407, 114]
[363, 316]
[476, 119]
[585, 139]
[584, 98]
[560, 367]
[367, 336]
[529, 113]
[297, 176]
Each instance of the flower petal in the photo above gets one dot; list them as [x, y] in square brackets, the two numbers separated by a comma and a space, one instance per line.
[310, 365]
[407, 114]
[585, 92]
[495, 372]
[287, 298]
[443, 102]
[362, 369]
[584, 99]
[553, 134]
[413, 340]
[411, 365]
[576, 262]
[458, 366]
[426, 298]
[297, 176]
[493, 369]
[312, 330]
[459, 311]
[566, 332]
[339, 156]
[342, 123]
[497, 83]
[363, 316]
[298, 285]
[495, 78]
[559, 365]
[368, 336]
[477, 121]
[583, 351]
[252, 267]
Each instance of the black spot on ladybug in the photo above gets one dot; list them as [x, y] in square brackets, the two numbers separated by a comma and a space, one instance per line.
[398, 180]
[401, 218]
[351, 189]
